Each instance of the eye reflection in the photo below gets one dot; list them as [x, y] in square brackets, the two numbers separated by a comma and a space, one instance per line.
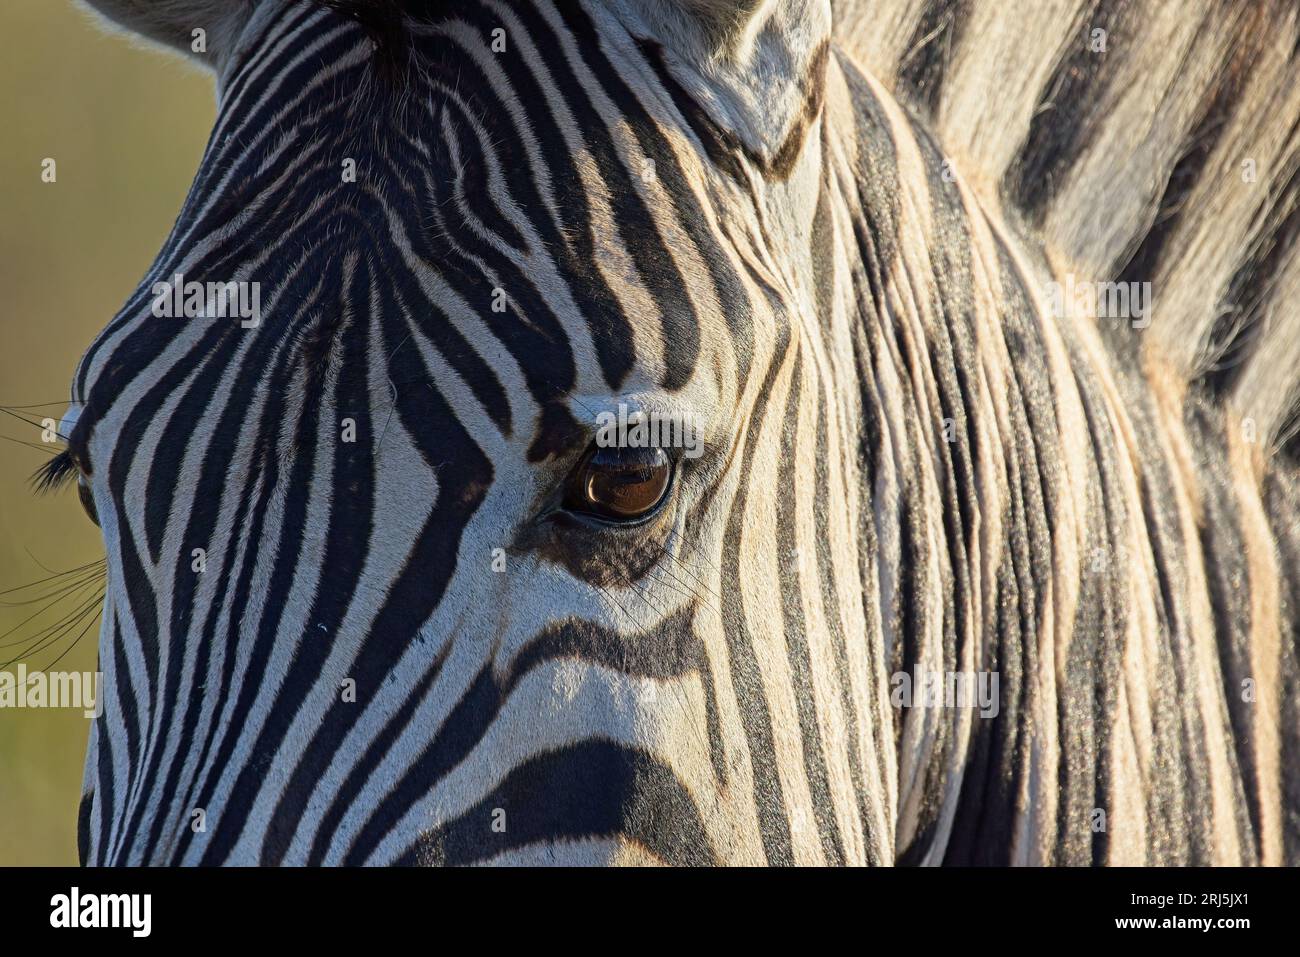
[619, 484]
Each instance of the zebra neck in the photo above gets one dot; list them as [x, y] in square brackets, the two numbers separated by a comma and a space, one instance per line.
[1034, 491]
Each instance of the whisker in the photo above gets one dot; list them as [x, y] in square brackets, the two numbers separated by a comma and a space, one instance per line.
[38, 446]
[43, 405]
[678, 691]
[693, 593]
[52, 603]
[61, 589]
[70, 571]
[699, 551]
[73, 599]
[29, 422]
[76, 641]
[52, 634]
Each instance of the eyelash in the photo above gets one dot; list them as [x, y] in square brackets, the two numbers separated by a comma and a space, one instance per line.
[59, 471]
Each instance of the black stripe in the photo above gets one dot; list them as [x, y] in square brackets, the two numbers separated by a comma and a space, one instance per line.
[202, 519]
[1066, 120]
[728, 289]
[341, 802]
[940, 30]
[84, 809]
[104, 845]
[464, 475]
[794, 627]
[1241, 315]
[746, 677]
[1282, 501]
[826, 458]
[1225, 565]
[596, 789]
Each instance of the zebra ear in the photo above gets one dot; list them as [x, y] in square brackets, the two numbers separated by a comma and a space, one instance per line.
[205, 30]
[721, 18]
[756, 67]
[724, 23]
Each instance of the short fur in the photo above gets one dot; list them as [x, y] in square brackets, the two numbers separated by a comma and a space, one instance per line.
[913, 463]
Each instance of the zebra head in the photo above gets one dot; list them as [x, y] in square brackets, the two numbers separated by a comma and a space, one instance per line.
[581, 431]
[479, 463]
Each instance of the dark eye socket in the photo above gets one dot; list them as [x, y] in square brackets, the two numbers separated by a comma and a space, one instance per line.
[619, 484]
[87, 499]
[61, 469]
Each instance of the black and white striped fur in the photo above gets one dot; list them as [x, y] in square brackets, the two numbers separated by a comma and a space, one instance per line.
[827, 237]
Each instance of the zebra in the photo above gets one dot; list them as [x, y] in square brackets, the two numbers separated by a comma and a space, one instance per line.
[376, 594]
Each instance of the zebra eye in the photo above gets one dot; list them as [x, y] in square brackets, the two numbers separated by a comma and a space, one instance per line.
[619, 484]
[87, 500]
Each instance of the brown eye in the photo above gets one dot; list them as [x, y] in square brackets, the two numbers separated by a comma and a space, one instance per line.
[87, 500]
[619, 484]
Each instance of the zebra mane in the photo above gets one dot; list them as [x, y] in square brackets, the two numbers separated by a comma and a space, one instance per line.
[1135, 140]
[384, 20]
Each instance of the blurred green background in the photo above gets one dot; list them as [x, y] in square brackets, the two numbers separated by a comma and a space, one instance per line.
[126, 125]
